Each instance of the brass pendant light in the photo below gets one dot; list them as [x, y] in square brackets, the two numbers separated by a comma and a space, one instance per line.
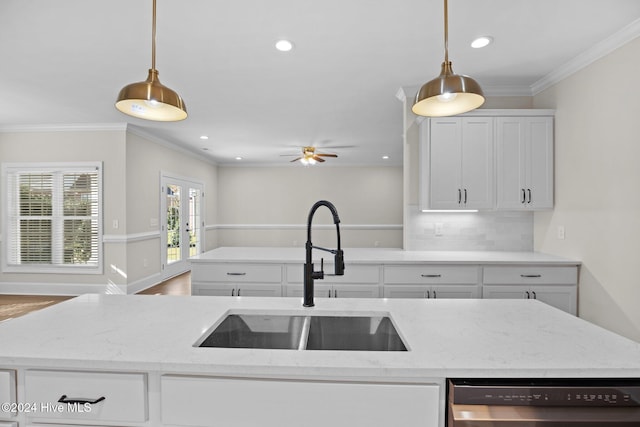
[448, 94]
[150, 99]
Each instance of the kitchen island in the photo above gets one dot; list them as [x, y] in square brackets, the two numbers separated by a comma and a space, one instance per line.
[138, 353]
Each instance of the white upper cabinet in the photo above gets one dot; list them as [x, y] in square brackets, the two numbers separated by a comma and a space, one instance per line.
[457, 163]
[524, 165]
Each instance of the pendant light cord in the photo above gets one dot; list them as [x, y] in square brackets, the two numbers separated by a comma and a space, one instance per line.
[153, 38]
[446, 32]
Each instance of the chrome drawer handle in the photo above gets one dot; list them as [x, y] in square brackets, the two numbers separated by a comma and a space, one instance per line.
[79, 400]
[236, 274]
[431, 275]
[531, 275]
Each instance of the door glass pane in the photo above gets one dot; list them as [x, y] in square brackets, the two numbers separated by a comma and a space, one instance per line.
[194, 222]
[173, 224]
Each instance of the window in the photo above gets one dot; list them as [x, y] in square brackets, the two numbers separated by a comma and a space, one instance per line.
[53, 218]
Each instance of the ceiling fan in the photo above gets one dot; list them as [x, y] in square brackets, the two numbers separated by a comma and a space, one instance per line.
[310, 157]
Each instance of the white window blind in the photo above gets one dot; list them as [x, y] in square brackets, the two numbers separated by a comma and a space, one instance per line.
[53, 218]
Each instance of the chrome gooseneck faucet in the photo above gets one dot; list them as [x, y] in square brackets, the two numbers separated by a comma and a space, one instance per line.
[309, 274]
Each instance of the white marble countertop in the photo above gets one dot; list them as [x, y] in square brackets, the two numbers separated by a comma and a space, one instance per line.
[446, 338]
[382, 256]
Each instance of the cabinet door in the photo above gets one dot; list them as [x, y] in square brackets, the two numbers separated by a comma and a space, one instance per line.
[320, 290]
[444, 163]
[540, 166]
[455, 291]
[406, 291]
[213, 289]
[202, 401]
[562, 297]
[458, 153]
[524, 147]
[259, 290]
[355, 291]
[504, 292]
[477, 180]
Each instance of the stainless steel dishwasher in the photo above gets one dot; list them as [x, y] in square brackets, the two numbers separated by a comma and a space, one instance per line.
[543, 403]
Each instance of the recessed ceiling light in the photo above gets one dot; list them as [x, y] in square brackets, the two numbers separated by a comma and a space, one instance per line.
[284, 45]
[204, 137]
[481, 42]
[385, 157]
[238, 158]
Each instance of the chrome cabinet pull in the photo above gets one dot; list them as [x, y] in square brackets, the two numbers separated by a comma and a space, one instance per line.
[236, 274]
[431, 275]
[524, 196]
[465, 196]
[529, 191]
[459, 196]
[79, 400]
[531, 275]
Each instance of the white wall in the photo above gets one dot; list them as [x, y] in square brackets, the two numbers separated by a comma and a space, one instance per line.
[269, 206]
[597, 169]
[131, 195]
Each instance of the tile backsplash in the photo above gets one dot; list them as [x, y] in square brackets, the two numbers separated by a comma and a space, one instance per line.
[468, 231]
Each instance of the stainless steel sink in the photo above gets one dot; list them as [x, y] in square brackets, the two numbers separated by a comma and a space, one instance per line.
[298, 332]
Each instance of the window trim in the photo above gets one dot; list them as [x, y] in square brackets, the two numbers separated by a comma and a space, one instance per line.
[71, 167]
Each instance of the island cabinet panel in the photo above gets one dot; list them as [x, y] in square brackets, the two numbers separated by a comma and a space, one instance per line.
[556, 286]
[236, 279]
[207, 401]
[7, 392]
[110, 397]
[358, 281]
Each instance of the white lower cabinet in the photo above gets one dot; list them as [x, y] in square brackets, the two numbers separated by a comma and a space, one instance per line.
[358, 281]
[556, 286]
[208, 401]
[431, 281]
[8, 424]
[76, 397]
[236, 279]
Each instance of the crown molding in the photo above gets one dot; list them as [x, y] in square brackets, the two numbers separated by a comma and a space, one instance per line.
[606, 46]
[69, 127]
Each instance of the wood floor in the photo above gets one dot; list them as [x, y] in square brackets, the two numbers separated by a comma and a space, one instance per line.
[18, 305]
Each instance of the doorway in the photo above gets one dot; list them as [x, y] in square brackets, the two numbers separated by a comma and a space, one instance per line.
[182, 223]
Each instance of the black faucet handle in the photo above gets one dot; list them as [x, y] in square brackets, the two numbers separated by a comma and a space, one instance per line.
[339, 263]
[319, 274]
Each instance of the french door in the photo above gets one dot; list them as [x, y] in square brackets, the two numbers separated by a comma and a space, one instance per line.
[182, 223]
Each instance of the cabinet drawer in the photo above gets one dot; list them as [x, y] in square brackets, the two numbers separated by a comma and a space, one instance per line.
[236, 272]
[122, 397]
[7, 391]
[431, 274]
[205, 401]
[530, 275]
[352, 273]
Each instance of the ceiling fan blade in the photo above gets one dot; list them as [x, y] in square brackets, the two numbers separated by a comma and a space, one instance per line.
[318, 159]
[295, 160]
[327, 155]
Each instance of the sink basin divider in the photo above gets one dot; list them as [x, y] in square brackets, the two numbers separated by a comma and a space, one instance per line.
[304, 334]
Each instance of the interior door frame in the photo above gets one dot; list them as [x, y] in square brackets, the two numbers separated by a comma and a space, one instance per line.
[182, 266]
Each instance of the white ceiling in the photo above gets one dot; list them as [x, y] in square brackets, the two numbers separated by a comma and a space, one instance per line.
[64, 62]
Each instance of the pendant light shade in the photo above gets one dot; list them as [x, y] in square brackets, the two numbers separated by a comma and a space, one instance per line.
[150, 99]
[448, 94]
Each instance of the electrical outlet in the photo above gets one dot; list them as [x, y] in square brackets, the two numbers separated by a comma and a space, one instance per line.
[439, 227]
[561, 232]
[115, 224]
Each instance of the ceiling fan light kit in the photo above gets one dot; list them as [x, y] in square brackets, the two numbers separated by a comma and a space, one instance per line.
[448, 94]
[310, 157]
[151, 100]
